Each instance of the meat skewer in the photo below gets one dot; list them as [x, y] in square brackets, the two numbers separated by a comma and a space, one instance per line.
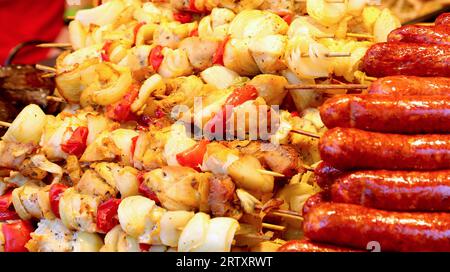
[356, 226]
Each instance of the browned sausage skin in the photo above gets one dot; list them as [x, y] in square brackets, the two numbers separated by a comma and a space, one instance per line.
[357, 226]
[411, 59]
[394, 190]
[348, 148]
[443, 19]
[410, 85]
[439, 34]
[314, 200]
[309, 246]
[382, 113]
[325, 174]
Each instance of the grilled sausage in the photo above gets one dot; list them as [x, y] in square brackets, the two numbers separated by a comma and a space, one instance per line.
[411, 59]
[348, 148]
[443, 19]
[325, 174]
[410, 85]
[382, 113]
[357, 226]
[309, 246]
[314, 200]
[394, 190]
[421, 34]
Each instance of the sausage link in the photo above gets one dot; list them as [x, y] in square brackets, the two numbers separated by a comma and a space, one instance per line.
[349, 148]
[309, 246]
[314, 200]
[394, 190]
[390, 59]
[382, 113]
[443, 19]
[410, 85]
[421, 34]
[325, 174]
[356, 226]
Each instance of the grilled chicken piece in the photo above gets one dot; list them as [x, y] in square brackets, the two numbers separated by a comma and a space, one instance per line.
[13, 154]
[282, 159]
[177, 187]
[222, 196]
[50, 236]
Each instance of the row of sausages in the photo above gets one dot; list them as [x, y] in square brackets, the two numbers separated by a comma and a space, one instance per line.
[412, 50]
[386, 169]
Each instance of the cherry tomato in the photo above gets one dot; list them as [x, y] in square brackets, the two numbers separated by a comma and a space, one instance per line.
[107, 215]
[193, 157]
[183, 17]
[76, 145]
[16, 235]
[121, 111]
[156, 57]
[218, 55]
[55, 193]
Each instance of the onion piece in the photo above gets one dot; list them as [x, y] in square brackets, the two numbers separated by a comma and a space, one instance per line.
[134, 212]
[104, 14]
[220, 235]
[219, 76]
[172, 224]
[86, 242]
[194, 234]
[28, 126]
[116, 90]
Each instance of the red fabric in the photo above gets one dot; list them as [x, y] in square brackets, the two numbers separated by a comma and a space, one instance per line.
[24, 20]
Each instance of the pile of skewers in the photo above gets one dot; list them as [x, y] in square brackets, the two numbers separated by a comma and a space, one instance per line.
[386, 158]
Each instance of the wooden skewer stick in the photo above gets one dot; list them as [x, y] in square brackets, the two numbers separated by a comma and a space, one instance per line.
[286, 215]
[273, 227]
[5, 124]
[425, 24]
[56, 99]
[332, 55]
[306, 133]
[45, 68]
[54, 45]
[351, 35]
[325, 86]
[47, 75]
[308, 168]
[270, 173]
[369, 3]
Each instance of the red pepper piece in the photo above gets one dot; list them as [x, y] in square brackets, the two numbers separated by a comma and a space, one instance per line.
[76, 145]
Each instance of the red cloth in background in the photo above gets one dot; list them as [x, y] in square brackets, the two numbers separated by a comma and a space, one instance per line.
[25, 20]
